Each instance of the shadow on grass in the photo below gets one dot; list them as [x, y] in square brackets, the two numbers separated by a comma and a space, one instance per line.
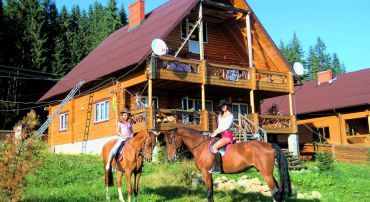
[177, 192]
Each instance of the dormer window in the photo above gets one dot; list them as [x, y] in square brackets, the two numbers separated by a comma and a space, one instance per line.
[186, 26]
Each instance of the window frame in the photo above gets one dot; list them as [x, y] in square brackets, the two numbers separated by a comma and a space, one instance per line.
[107, 111]
[193, 103]
[188, 28]
[239, 109]
[63, 121]
[144, 102]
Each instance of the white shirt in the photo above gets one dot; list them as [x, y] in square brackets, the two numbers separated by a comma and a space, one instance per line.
[225, 123]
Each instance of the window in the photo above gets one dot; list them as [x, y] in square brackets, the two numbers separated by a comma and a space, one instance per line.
[320, 134]
[102, 111]
[186, 26]
[196, 104]
[239, 108]
[144, 102]
[63, 122]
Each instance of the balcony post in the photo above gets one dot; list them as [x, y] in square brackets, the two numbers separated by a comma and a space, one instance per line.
[249, 40]
[251, 95]
[150, 93]
[205, 120]
[201, 47]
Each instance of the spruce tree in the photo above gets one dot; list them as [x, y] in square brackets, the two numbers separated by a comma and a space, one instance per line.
[313, 64]
[74, 37]
[112, 16]
[336, 65]
[50, 28]
[123, 16]
[293, 52]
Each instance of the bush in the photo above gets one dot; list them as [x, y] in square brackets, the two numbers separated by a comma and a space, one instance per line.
[20, 159]
[324, 160]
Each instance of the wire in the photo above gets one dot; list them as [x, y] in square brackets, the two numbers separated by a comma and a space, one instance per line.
[13, 102]
[27, 78]
[16, 68]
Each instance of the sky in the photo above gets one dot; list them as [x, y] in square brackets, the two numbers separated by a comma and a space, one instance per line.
[343, 25]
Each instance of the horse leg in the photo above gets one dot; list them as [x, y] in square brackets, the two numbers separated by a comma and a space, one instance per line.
[118, 179]
[271, 183]
[129, 189]
[136, 188]
[207, 178]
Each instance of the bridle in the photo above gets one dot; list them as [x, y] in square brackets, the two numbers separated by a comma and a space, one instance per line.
[178, 148]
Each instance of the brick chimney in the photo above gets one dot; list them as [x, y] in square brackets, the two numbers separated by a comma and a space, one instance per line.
[137, 14]
[325, 76]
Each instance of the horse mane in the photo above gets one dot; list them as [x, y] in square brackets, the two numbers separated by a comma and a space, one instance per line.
[190, 130]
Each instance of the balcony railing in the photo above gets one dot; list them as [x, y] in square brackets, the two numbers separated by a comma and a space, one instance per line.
[278, 123]
[196, 71]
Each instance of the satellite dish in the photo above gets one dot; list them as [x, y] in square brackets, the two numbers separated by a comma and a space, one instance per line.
[299, 69]
[159, 47]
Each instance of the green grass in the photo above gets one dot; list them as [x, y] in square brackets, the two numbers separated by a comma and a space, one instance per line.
[81, 178]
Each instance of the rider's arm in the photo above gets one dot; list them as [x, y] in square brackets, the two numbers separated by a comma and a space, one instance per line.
[223, 125]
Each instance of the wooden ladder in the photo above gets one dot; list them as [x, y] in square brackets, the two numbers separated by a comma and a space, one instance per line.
[87, 124]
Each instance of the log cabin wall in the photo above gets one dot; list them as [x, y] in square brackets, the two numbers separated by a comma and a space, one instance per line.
[218, 49]
[77, 110]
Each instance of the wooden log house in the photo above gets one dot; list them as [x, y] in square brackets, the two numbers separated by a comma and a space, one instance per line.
[235, 59]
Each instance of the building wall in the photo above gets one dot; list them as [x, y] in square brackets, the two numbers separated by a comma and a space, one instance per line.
[77, 113]
[337, 127]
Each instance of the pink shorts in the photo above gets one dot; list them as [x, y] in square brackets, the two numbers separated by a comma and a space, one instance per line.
[228, 134]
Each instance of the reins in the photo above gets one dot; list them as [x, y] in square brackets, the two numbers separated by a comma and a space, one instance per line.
[177, 155]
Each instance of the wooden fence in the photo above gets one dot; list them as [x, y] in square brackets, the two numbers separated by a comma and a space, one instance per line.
[342, 153]
[6, 134]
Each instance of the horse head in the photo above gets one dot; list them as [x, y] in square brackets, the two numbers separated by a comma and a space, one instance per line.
[148, 145]
[173, 143]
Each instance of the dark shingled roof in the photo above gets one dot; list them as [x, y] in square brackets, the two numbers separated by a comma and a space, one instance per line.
[122, 48]
[347, 90]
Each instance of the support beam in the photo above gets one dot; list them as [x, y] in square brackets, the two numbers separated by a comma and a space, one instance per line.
[249, 39]
[292, 112]
[224, 7]
[368, 122]
[251, 95]
[201, 47]
[203, 98]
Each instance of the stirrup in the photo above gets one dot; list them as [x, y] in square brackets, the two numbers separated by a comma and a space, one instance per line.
[214, 172]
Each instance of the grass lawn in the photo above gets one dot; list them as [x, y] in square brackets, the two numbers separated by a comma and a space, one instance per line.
[81, 178]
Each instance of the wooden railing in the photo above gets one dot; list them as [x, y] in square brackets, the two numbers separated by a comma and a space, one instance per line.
[179, 69]
[171, 118]
[139, 119]
[277, 123]
[274, 81]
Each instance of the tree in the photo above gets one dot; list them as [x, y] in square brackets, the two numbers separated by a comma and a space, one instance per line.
[123, 15]
[50, 28]
[336, 65]
[112, 16]
[293, 52]
[74, 38]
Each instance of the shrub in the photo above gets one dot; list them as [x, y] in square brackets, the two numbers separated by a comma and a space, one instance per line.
[19, 159]
[324, 160]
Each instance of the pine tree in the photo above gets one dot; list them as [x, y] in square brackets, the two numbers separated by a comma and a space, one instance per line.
[33, 35]
[123, 16]
[112, 16]
[293, 52]
[313, 64]
[50, 28]
[74, 37]
[62, 55]
[336, 65]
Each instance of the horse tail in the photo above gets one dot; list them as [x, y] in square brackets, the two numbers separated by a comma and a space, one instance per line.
[108, 177]
[285, 188]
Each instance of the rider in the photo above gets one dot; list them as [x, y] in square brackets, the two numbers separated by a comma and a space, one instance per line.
[225, 121]
[124, 131]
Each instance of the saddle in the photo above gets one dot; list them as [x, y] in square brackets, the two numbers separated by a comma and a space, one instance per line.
[119, 155]
[222, 150]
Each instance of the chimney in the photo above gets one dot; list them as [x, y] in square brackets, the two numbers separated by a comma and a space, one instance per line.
[137, 14]
[325, 76]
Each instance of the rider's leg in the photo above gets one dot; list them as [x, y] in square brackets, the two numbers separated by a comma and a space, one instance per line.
[222, 142]
[113, 151]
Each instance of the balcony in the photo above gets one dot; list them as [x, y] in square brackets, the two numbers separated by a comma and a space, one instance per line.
[166, 119]
[195, 71]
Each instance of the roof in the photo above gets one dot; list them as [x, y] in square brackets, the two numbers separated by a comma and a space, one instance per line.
[124, 48]
[347, 90]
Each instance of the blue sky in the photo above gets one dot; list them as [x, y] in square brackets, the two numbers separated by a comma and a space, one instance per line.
[343, 25]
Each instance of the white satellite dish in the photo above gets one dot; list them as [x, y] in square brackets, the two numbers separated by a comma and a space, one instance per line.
[299, 69]
[159, 47]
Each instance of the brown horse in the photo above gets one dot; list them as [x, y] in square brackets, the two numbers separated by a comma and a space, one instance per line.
[239, 158]
[137, 149]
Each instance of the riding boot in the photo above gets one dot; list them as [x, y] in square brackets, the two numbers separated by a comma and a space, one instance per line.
[216, 164]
